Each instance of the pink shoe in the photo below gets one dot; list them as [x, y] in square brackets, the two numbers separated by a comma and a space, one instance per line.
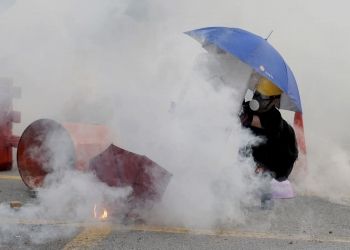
[282, 190]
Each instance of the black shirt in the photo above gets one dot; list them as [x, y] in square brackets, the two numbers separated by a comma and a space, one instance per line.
[278, 150]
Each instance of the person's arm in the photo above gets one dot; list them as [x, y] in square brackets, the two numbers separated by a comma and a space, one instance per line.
[246, 115]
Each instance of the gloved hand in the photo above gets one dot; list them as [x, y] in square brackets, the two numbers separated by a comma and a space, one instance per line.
[246, 115]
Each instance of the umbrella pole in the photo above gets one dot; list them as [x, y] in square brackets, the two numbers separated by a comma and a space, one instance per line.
[269, 35]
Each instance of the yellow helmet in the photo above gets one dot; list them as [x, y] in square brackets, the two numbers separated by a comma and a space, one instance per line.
[266, 87]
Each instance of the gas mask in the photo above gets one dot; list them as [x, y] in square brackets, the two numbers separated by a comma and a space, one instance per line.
[262, 103]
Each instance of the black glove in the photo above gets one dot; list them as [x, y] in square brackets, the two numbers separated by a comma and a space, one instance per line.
[246, 115]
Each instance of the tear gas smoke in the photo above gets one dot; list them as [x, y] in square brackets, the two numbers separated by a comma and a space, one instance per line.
[67, 196]
[127, 64]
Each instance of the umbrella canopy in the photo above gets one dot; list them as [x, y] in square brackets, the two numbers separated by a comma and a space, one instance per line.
[256, 52]
[118, 167]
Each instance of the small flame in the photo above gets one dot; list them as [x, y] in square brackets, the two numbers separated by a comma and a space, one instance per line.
[103, 215]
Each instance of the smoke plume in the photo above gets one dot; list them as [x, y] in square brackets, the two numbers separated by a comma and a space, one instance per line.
[127, 64]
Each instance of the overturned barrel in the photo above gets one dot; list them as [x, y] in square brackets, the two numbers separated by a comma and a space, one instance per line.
[118, 167]
[46, 146]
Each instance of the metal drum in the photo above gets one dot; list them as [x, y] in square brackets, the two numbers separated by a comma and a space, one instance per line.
[46, 146]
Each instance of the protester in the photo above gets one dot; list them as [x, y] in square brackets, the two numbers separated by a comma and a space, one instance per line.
[278, 151]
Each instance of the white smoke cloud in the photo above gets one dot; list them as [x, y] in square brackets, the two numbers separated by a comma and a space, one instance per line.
[66, 198]
[128, 64]
[130, 68]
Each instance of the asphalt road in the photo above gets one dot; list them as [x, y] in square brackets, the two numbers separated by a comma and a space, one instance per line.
[298, 223]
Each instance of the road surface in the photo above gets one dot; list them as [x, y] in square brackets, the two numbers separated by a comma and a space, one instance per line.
[304, 222]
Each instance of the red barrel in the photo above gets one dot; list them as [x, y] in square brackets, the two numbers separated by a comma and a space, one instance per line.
[118, 167]
[47, 145]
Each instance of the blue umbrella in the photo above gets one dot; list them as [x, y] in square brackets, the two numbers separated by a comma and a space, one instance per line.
[256, 52]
